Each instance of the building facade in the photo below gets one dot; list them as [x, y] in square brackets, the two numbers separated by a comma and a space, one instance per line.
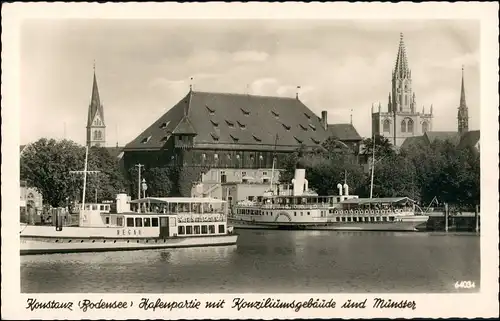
[224, 138]
[96, 127]
[401, 120]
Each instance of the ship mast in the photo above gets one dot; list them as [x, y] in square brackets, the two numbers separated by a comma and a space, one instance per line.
[272, 169]
[373, 167]
[84, 172]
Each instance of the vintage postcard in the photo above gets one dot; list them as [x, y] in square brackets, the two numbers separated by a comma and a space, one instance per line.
[249, 160]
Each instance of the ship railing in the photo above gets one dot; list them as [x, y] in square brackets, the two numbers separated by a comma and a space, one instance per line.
[372, 212]
[294, 206]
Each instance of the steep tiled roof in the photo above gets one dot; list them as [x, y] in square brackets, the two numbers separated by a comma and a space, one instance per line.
[469, 139]
[115, 152]
[432, 136]
[235, 121]
[418, 141]
[344, 132]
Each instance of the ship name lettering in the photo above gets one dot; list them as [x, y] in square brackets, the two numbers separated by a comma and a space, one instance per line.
[34, 304]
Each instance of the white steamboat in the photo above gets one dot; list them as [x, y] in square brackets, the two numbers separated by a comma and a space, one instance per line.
[300, 208]
[155, 224]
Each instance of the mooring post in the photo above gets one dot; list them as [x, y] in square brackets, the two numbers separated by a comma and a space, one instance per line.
[476, 214]
[446, 217]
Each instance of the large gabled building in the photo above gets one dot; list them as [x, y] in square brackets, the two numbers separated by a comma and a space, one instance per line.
[235, 135]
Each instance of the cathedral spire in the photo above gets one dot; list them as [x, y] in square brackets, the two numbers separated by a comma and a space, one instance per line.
[401, 68]
[95, 122]
[463, 110]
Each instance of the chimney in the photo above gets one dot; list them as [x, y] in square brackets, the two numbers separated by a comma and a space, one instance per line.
[324, 119]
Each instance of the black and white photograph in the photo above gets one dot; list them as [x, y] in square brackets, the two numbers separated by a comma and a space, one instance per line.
[254, 157]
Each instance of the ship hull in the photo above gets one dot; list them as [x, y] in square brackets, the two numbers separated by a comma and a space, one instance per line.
[405, 224]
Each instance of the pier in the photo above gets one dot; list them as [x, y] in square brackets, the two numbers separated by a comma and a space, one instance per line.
[449, 221]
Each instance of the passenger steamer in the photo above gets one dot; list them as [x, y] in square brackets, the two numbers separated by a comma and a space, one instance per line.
[156, 223]
[301, 208]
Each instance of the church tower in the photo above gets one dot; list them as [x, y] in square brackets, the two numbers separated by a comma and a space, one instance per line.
[463, 110]
[96, 128]
[402, 120]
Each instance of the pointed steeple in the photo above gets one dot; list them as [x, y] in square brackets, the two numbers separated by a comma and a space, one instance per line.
[389, 104]
[463, 110]
[96, 128]
[462, 92]
[95, 102]
[401, 68]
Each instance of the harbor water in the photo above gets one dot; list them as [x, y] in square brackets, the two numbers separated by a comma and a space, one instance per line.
[267, 261]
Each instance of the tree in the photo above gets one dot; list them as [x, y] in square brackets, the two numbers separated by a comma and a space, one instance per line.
[46, 165]
[159, 180]
[383, 147]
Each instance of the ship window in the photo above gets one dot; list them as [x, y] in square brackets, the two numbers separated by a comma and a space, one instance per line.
[147, 222]
[107, 219]
[337, 219]
[378, 219]
[354, 219]
[308, 213]
[294, 213]
[301, 214]
[189, 229]
[204, 229]
[391, 218]
[154, 221]
[130, 222]
[384, 219]
[372, 219]
[119, 221]
[211, 229]
[94, 207]
[138, 222]
[348, 219]
[181, 230]
[343, 219]
[221, 228]
[196, 229]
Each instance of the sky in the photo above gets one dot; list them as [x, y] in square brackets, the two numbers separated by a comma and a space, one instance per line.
[143, 68]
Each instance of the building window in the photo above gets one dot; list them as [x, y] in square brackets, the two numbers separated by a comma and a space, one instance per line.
[410, 126]
[403, 126]
[387, 126]
[425, 127]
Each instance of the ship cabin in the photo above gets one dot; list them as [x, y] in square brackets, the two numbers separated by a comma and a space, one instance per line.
[372, 209]
[163, 217]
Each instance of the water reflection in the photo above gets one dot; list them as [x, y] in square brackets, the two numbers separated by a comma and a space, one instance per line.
[269, 261]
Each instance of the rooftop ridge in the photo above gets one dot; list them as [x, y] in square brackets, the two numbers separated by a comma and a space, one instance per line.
[241, 94]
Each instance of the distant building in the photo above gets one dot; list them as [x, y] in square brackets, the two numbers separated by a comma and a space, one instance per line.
[401, 120]
[462, 138]
[235, 135]
[30, 197]
[347, 134]
[96, 127]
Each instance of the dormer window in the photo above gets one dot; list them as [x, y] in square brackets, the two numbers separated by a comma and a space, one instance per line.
[210, 110]
[230, 124]
[214, 123]
[257, 138]
[312, 127]
[315, 140]
[234, 138]
[214, 136]
[307, 115]
[303, 127]
[286, 126]
[145, 139]
[245, 112]
[164, 125]
[165, 138]
[298, 140]
[242, 126]
[275, 113]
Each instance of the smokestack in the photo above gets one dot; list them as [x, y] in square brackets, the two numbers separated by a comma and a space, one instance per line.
[346, 189]
[339, 186]
[324, 119]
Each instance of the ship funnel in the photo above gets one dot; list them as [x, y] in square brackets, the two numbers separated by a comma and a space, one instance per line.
[339, 186]
[346, 189]
[306, 185]
[299, 181]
